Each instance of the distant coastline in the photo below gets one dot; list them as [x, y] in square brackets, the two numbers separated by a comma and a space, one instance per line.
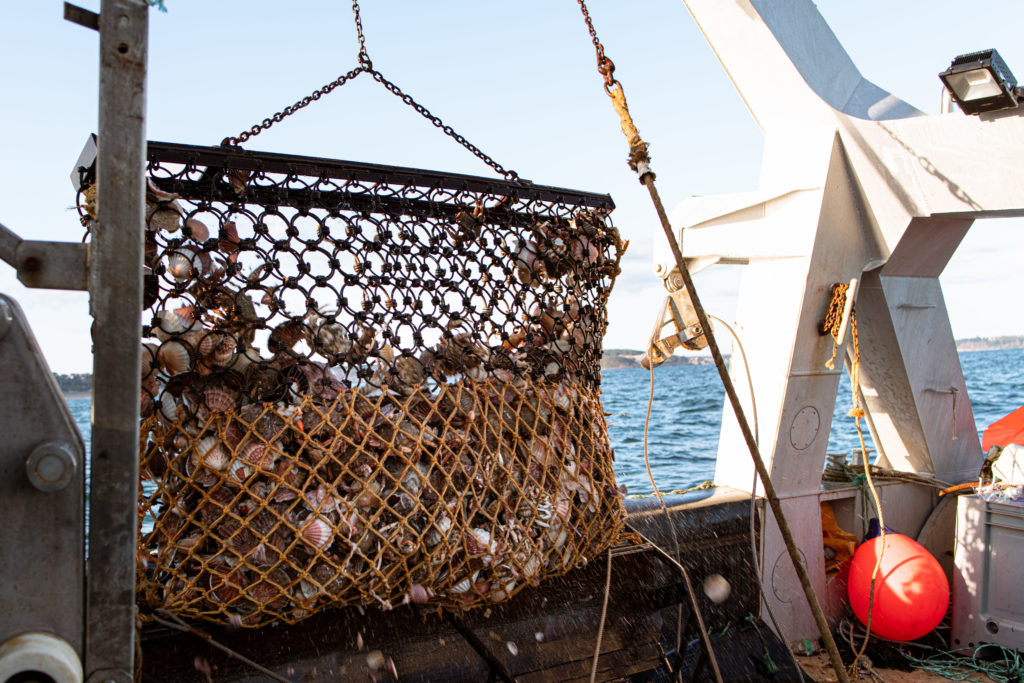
[618, 359]
[79, 385]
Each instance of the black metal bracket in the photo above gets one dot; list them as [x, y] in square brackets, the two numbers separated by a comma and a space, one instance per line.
[81, 16]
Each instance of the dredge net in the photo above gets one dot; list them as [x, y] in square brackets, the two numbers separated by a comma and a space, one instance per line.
[364, 385]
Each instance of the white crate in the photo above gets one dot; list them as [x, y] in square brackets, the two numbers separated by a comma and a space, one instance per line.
[988, 576]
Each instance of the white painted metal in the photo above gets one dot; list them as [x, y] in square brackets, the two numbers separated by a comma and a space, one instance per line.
[855, 184]
[39, 656]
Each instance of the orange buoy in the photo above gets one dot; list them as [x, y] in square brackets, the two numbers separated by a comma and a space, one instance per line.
[911, 591]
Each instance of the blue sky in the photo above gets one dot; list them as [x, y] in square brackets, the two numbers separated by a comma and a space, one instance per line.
[516, 78]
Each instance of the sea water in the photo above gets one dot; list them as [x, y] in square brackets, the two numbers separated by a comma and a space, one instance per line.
[686, 413]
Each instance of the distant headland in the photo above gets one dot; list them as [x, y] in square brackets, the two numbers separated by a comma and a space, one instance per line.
[616, 359]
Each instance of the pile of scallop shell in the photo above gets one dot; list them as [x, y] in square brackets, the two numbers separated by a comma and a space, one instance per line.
[274, 484]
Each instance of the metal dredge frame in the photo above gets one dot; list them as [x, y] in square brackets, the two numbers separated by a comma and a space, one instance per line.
[373, 383]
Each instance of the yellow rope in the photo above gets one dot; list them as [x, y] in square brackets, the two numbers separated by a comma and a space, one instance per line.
[831, 326]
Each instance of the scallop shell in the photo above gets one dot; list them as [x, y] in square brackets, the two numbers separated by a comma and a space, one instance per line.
[155, 194]
[218, 401]
[205, 341]
[171, 323]
[179, 265]
[174, 358]
[316, 533]
[528, 267]
[307, 590]
[200, 233]
[259, 455]
[239, 471]
[211, 453]
[479, 542]
[224, 352]
[149, 362]
[164, 216]
[462, 586]
[419, 594]
[243, 360]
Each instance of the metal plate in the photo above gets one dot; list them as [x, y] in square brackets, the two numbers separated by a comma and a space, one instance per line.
[43, 532]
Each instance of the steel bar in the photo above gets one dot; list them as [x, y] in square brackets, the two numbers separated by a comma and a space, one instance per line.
[53, 265]
[235, 158]
[769, 490]
[9, 243]
[350, 201]
[81, 16]
[116, 304]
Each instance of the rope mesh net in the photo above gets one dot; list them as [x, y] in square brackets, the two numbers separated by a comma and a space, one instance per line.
[364, 385]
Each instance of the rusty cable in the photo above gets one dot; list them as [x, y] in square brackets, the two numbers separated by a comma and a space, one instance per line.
[494, 665]
[647, 179]
[176, 623]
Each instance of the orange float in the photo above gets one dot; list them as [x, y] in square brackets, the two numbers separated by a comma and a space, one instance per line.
[911, 591]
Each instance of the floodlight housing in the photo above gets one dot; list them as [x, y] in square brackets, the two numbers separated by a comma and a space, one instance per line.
[981, 82]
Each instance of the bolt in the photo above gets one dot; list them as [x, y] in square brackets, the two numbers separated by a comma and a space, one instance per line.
[31, 264]
[51, 466]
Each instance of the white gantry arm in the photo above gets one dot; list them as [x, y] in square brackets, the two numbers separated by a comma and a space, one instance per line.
[855, 183]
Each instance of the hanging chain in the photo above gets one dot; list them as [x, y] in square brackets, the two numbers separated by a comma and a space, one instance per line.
[291, 109]
[639, 157]
[364, 56]
[604, 65]
[448, 130]
[366, 66]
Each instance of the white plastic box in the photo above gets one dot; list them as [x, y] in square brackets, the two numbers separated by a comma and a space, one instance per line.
[988, 575]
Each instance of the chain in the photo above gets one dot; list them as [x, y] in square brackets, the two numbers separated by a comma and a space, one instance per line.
[291, 109]
[366, 66]
[604, 65]
[448, 130]
[364, 56]
[639, 157]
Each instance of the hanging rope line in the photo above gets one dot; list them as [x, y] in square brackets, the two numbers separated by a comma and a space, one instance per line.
[604, 616]
[833, 325]
[639, 161]
[366, 66]
[705, 640]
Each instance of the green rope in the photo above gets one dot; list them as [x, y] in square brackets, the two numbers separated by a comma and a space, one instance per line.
[159, 4]
[770, 666]
[1007, 666]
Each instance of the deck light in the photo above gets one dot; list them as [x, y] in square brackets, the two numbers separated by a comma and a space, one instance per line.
[980, 82]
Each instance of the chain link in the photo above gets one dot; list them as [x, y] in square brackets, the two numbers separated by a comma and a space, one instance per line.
[448, 130]
[364, 56]
[258, 128]
[605, 66]
[366, 66]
